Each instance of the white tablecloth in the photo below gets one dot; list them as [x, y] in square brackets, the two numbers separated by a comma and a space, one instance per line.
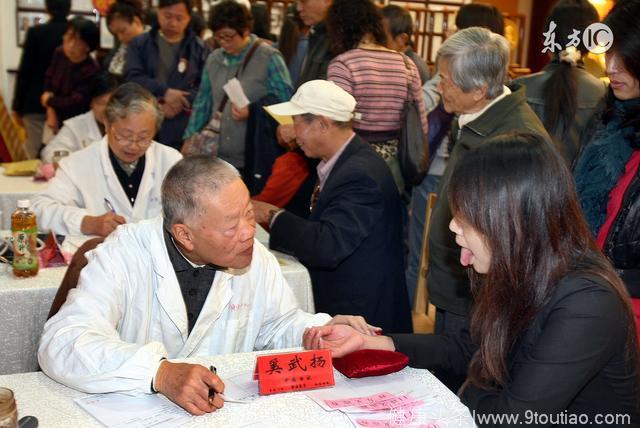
[296, 274]
[25, 303]
[12, 189]
[52, 403]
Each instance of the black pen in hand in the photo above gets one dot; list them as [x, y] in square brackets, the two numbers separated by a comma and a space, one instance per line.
[212, 392]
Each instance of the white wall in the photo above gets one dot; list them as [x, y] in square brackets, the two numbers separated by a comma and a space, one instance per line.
[9, 50]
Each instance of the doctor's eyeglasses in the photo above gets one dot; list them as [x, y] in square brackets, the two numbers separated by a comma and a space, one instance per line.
[129, 139]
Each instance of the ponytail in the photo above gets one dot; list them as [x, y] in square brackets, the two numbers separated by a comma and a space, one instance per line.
[561, 93]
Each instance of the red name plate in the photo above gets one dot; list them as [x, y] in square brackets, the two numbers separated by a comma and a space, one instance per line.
[295, 371]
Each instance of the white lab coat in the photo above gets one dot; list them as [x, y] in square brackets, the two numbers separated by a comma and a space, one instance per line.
[128, 312]
[85, 178]
[76, 134]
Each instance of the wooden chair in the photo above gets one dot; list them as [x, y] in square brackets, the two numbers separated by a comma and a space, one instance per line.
[70, 280]
[423, 313]
[13, 137]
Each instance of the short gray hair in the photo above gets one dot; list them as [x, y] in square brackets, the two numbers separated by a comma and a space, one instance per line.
[477, 57]
[132, 98]
[190, 179]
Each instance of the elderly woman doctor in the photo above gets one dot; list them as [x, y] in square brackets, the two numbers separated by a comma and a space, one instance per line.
[112, 181]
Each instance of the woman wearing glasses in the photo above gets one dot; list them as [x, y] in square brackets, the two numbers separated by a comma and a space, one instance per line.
[115, 180]
[264, 78]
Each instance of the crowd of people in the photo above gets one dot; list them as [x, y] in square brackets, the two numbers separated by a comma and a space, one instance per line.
[534, 254]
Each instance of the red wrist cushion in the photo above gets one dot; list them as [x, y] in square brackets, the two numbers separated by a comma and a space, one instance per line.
[370, 362]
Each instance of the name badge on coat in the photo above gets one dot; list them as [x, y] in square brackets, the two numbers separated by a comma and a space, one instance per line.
[182, 65]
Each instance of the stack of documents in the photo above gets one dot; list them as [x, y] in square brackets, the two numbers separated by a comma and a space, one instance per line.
[124, 411]
[155, 410]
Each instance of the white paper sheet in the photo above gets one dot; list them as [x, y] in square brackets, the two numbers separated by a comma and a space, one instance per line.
[120, 411]
[240, 388]
[236, 94]
[71, 243]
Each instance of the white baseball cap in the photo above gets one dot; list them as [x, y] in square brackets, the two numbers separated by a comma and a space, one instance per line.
[319, 97]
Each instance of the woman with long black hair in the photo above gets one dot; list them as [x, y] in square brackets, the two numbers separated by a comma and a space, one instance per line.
[552, 328]
[607, 172]
[564, 95]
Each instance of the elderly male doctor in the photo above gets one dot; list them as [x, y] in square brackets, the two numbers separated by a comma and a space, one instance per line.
[194, 282]
[115, 180]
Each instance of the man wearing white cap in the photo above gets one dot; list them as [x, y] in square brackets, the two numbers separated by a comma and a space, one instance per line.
[352, 241]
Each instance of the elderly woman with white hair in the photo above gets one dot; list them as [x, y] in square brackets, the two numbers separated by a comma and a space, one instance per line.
[472, 65]
[115, 180]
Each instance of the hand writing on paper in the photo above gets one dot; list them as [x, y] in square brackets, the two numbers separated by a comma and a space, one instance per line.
[101, 225]
[342, 340]
[239, 113]
[188, 386]
[357, 322]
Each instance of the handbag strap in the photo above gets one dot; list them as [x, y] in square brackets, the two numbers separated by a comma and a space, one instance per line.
[247, 58]
[406, 64]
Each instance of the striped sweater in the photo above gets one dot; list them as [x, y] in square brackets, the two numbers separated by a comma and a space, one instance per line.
[377, 79]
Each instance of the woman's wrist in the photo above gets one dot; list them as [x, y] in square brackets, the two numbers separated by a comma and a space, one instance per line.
[379, 342]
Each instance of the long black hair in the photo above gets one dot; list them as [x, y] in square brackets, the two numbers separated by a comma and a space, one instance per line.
[527, 210]
[561, 88]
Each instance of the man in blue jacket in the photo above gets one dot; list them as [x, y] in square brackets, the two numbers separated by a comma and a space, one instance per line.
[168, 61]
[352, 241]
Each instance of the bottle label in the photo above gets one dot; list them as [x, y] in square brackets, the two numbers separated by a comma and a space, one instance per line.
[25, 252]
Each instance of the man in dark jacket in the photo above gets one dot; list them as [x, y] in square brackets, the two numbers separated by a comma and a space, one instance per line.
[352, 241]
[314, 66]
[472, 65]
[40, 43]
[168, 61]
[316, 61]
